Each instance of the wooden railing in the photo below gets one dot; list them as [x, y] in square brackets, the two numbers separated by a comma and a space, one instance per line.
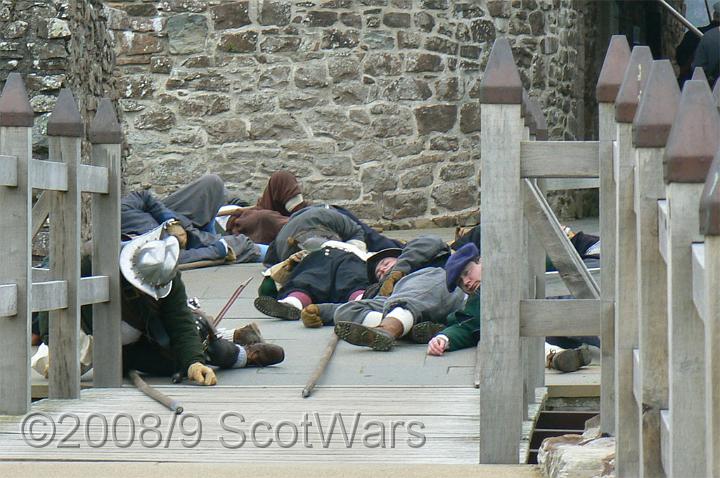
[59, 289]
[658, 308]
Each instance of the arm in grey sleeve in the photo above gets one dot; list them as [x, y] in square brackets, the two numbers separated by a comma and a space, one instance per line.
[420, 252]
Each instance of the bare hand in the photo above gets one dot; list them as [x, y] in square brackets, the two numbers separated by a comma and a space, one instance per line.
[437, 345]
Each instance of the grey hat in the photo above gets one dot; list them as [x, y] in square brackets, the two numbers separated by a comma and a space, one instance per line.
[149, 262]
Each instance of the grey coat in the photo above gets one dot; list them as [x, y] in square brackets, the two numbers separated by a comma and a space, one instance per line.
[314, 221]
[423, 293]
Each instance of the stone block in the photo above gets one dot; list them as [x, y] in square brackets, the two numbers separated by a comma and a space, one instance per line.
[378, 179]
[275, 127]
[311, 75]
[43, 103]
[451, 172]
[319, 19]
[373, 3]
[337, 4]
[136, 86]
[204, 105]
[280, 44]
[230, 15]
[116, 19]
[499, 8]
[470, 117]
[435, 118]
[470, 51]
[442, 45]
[406, 88]
[138, 44]
[331, 190]
[240, 42]
[259, 103]
[198, 61]
[187, 33]
[274, 12]
[333, 123]
[420, 62]
[229, 130]
[397, 20]
[370, 151]
[449, 89]
[350, 94]
[469, 10]
[44, 82]
[404, 204]
[443, 143]
[379, 40]
[419, 177]
[359, 115]
[157, 118]
[141, 9]
[47, 50]
[391, 126]
[180, 6]
[343, 68]
[187, 136]
[314, 146]
[483, 31]
[298, 100]
[351, 20]
[131, 106]
[424, 21]
[572, 455]
[382, 64]
[15, 29]
[404, 4]
[274, 77]
[332, 165]
[334, 39]
[537, 23]
[161, 64]
[456, 195]
[434, 4]
[409, 39]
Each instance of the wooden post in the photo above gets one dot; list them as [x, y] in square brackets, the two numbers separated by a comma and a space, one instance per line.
[16, 121]
[626, 326]
[710, 227]
[65, 130]
[106, 137]
[690, 149]
[501, 380]
[611, 76]
[650, 131]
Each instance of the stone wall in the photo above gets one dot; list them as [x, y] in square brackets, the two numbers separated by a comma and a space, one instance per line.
[372, 103]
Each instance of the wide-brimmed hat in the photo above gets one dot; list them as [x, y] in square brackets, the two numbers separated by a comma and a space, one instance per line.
[149, 262]
[457, 262]
[372, 261]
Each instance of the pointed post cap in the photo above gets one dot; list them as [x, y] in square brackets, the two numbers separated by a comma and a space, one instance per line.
[694, 136]
[501, 82]
[65, 119]
[613, 69]
[710, 201]
[657, 108]
[105, 128]
[699, 74]
[541, 128]
[633, 84]
[530, 121]
[15, 109]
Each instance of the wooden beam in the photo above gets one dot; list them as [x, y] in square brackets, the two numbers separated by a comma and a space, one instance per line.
[50, 295]
[558, 247]
[637, 377]
[8, 171]
[698, 280]
[40, 274]
[93, 179]
[561, 184]
[712, 357]
[94, 290]
[48, 175]
[662, 228]
[559, 159]
[40, 212]
[665, 439]
[555, 286]
[545, 317]
[8, 300]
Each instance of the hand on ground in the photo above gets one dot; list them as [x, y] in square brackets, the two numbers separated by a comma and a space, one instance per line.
[437, 345]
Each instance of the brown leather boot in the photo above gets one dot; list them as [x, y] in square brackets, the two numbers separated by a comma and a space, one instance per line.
[379, 338]
[423, 332]
[262, 355]
[248, 335]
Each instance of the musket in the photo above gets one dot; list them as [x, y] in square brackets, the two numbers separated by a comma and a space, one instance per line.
[154, 393]
[231, 301]
[321, 366]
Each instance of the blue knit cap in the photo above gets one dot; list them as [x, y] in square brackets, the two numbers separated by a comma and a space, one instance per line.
[457, 262]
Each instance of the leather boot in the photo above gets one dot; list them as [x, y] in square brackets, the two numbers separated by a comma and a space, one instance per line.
[379, 338]
[248, 335]
[569, 360]
[423, 332]
[262, 355]
[274, 308]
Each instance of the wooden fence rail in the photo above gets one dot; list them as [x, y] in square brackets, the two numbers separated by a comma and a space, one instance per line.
[59, 290]
[657, 306]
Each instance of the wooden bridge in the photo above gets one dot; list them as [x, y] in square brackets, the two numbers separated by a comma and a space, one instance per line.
[653, 306]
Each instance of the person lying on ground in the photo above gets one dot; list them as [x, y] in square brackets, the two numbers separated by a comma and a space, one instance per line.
[334, 273]
[193, 209]
[159, 334]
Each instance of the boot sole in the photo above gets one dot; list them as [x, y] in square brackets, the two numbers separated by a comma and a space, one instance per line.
[273, 308]
[571, 360]
[423, 332]
[357, 334]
